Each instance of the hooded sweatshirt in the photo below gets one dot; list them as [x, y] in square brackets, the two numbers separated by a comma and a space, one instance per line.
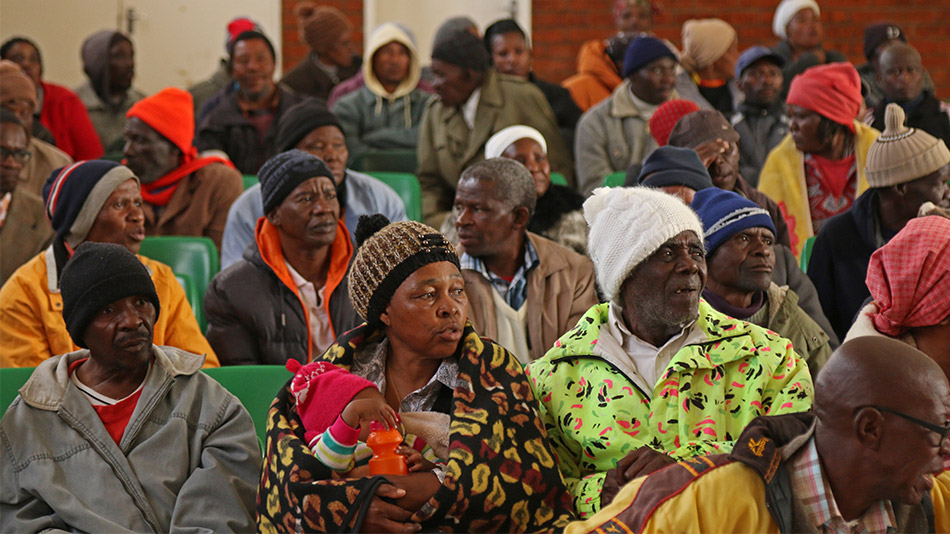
[374, 118]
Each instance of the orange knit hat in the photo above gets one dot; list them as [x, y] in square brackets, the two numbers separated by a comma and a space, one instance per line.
[169, 112]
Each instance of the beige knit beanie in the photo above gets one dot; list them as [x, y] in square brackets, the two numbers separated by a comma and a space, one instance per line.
[320, 26]
[705, 41]
[903, 154]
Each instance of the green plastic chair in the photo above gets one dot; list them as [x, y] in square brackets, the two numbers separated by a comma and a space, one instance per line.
[407, 187]
[558, 178]
[250, 180]
[194, 300]
[806, 252]
[615, 179]
[255, 386]
[11, 380]
[196, 257]
[388, 160]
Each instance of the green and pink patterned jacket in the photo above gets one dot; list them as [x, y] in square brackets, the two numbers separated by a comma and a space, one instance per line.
[595, 414]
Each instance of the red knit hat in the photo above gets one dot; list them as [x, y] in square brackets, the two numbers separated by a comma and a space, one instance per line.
[666, 116]
[832, 91]
[171, 113]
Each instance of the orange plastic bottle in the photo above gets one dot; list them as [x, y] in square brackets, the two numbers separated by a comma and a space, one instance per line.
[385, 460]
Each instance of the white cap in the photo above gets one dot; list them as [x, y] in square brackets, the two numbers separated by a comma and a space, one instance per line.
[502, 139]
[786, 11]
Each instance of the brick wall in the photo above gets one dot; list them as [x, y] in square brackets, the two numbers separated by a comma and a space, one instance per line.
[560, 26]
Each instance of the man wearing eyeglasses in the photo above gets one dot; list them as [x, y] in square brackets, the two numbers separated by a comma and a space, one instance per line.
[869, 458]
[24, 229]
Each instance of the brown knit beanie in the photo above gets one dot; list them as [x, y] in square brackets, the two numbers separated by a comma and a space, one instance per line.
[320, 26]
[903, 154]
[388, 254]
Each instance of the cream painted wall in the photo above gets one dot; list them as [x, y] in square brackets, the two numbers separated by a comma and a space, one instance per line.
[177, 42]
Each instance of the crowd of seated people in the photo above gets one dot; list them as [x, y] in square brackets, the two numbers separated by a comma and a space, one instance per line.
[698, 287]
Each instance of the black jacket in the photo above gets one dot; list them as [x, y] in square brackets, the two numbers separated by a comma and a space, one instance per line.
[839, 261]
[926, 116]
[254, 318]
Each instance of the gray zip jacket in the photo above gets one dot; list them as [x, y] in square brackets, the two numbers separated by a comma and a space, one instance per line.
[188, 459]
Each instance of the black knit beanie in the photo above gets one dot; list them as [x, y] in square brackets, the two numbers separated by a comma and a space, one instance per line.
[281, 174]
[388, 254]
[97, 275]
[464, 50]
[301, 119]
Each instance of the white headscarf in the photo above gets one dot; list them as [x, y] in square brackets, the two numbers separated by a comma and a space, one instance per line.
[499, 142]
[786, 11]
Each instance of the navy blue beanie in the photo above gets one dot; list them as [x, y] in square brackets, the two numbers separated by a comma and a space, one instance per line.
[281, 174]
[725, 214]
[672, 166]
[643, 51]
[464, 50]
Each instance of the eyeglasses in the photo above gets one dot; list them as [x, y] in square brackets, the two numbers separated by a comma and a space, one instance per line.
[942, 431]
[19, 155]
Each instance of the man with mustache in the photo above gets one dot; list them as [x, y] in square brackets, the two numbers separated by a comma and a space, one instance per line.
[124, 435]
[97, 201]
[655, 374]
[287, 298]
[740, 259]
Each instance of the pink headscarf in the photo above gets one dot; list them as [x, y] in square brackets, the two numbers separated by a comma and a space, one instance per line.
[909, 277]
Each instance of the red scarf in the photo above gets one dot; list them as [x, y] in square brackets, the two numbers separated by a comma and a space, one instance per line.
[159, 192]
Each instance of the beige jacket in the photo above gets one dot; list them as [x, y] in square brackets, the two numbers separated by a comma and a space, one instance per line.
[46, 158]
[560, 290]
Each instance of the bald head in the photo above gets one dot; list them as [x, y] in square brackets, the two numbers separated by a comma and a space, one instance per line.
[900, 72]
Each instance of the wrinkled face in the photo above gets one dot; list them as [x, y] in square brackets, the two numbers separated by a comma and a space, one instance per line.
[252, 67]
[724, 170]
[803, 125]
[761, 83]
[529, 153]
[428, 311]
[634, 18]
[121, 220]
[120, 335]
[328, 144]
[511, 55]
[13, 142]
[804, 30]
[309, 214]
[452, 83]
[147, 153]
[28, 58]
[121, 66]
[745, 261]
[484, 223]
[930, 188]
[341, 52]
[391, 63]
[725, 66]
[665, 288]
[901, 74]
[654, 82]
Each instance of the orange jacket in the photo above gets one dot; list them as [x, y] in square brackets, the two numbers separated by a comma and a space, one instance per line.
[596, 76]
[32, 328]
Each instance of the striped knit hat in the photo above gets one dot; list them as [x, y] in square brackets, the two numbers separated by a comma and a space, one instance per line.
[725, 214]
[388, 254]
[74, 196]
[903, 154]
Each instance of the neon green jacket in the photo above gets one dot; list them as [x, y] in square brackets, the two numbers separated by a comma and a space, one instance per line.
[595, 415]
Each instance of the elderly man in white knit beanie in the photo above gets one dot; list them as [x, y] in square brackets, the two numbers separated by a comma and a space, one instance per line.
[655, 374]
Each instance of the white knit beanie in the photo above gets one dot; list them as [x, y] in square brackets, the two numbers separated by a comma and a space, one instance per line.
[786, 11]
[903, 154]
[627, 225]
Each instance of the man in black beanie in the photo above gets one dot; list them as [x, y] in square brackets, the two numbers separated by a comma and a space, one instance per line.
[474, 102]
[159, 438]
[311, 127]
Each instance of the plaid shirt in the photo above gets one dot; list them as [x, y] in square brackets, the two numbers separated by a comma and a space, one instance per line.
[516, 291]
[811, 489]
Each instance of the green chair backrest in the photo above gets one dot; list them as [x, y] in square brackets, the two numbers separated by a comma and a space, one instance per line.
[615, 179]
[250, 180]
[194, 299]
[407, 187]
[11, 380]
[806, 252]
[558, 178]
[255, 386]
[195, 256]
[385, 160]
